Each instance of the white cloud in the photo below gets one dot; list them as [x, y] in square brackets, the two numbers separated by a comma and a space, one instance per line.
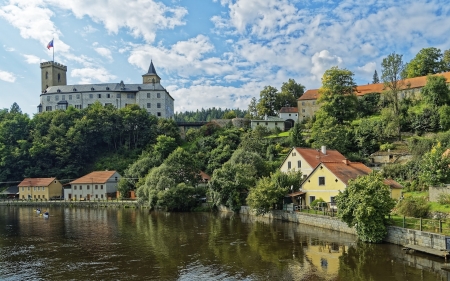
[322, 61]
[7, 76]
[32, 59]
[9, 49]
[104, 52]
[140, 17]
[90, 75]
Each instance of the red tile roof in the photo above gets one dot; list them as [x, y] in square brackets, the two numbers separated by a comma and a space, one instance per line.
[205, 176]
[95, 177]
[289, 110]
[314, 157]
[361, 90]
[37, 181]
[346, 172]
[392, 183]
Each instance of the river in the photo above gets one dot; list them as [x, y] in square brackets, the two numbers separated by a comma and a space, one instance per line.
[135, 244]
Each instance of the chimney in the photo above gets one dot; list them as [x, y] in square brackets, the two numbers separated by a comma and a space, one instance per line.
[345, 161]
[324, 150]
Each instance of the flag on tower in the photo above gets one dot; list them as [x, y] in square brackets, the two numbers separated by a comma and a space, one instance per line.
[50, 44]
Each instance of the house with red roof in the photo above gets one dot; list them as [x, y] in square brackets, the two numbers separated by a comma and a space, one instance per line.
[330, 177]
[307, 104]
[39, 188]
[98, 185]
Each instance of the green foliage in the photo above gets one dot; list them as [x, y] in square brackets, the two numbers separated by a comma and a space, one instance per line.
[206, 114]
[444, 117]
[365, 203]
[296, 135]
[317, 203]
[387, 146]
[180, 198]
[229, 115]
[417, 207]
[271, 190]
[337, 94]
[267, 100]
[436, 92]
[368, 105]
[375, 78]
[368, 135]
[434, 167]
[444, 199]
[427, 61]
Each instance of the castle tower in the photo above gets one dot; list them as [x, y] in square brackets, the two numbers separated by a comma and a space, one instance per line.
[52, 74]
[151, 77]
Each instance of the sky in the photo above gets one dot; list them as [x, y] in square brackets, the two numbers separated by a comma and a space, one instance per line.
[209, 53]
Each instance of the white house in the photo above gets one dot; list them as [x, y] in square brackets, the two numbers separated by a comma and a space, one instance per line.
[98, 185]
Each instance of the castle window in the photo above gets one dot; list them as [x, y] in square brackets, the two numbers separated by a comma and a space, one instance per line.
[158, 105]
[48, 108]
[107, 88]
[106, 104]
[78, 106]
[91, 96]
[74, 90]
[118, 96]
[48, 98]
[78, 96]
[303, 110]
[148, 95]
[92, 88]
[108, 96]
[58, 91]
[130, 96]
[313, 102]
[139, 88]
[59, 77]
[56, 98]
[303, 103]
[46, 75]
[70, 97]
[63, 97]
[158, 114]
[299, 164]
[99, 96]
[158, 95]
[149, 105]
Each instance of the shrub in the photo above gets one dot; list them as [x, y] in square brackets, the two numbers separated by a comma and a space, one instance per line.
[317, 203]
[417, 207]
[386, 146]
[444, 199]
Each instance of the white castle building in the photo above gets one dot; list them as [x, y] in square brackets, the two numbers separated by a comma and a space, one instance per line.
[56, 94]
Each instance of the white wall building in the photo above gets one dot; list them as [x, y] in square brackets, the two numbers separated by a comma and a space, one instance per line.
[56, 94]
[98, 185]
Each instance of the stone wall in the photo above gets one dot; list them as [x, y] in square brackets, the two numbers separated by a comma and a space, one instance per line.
[435, 191]
[404, 236]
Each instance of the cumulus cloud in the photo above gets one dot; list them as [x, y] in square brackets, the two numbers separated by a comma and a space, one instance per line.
[32, 59]
[7, 76]
[90, 75]
[322, 61]
[104, 52]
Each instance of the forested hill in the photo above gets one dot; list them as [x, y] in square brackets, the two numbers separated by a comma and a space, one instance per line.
[209, 114]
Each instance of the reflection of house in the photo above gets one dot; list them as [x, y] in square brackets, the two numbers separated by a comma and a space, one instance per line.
[328, 178]
[39, 188]
[307, 103]
[289, 115]
[306, 159]
[324, 257]
[95, 185]
[381, 158]
[270, 122]
[11, 192]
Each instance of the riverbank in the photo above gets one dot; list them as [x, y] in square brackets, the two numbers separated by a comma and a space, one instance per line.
[428, 242]
[85, 204]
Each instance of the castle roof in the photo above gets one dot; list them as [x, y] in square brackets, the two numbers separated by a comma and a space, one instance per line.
[151, 69]
[104, 87]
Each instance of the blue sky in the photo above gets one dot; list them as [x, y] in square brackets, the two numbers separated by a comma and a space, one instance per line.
[209, 52]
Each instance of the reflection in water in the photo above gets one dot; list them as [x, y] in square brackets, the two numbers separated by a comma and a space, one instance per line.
[128, 244]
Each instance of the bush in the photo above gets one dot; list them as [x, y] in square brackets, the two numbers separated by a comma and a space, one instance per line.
[386, 146]
[417, 207]
[317, 203]
[444, 199]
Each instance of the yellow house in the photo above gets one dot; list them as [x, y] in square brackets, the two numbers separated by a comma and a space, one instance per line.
[306, 159]
[328, 178]
[39, 188]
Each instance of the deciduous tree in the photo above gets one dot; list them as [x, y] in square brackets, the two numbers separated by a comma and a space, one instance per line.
[427, 61]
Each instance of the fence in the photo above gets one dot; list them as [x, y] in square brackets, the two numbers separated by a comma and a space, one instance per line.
[325, 211]
[429, 225]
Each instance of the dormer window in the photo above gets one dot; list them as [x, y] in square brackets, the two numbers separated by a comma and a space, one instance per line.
[74, 89]
[59, 91]
[107, 88]
[92, 88]
[139, 88]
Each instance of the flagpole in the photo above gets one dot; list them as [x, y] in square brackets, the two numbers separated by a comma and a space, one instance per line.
[53, 47]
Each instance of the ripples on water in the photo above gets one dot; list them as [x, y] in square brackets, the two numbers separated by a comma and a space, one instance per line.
[128, 244]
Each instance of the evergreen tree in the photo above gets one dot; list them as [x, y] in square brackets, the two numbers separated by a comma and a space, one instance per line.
[375, 80]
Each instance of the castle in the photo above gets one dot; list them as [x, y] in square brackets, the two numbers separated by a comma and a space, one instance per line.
[56, 94]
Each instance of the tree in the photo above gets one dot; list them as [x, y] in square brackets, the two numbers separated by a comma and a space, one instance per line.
[434, 167]
[252, 110]
[436, 92]
[391, 75]
[296, 136]
[266, 104]
[427, 61]
[375, 79]
[294, 88]
[446, 60]
[229, 115]
[337, 94]
[364, 204]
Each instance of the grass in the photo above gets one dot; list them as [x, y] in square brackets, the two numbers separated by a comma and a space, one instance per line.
[429, 225]
[434, 206]
[280, 135]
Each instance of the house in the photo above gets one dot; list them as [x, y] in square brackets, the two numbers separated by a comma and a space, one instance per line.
[270, 122]
[328, 178]
[98, 185]
[39, 188]
[11, 192]
[306, 159]
[307, 104]
[381, 158]
[289, 115]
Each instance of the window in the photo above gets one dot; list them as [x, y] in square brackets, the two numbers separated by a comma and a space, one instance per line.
[91, 96]
[332, 199]
[63, 97]
[78, 96]
[158, 95]
[43, 188]
[293, 153]
[39, 188]
[108, 96]
[48, 98]
[89, 104]
[303, 103]
[299, 164]
[108, 104]
[149, 105]
[158, 114]
[34, 188]
[70, 97]
[101, 195]
[56, 98]
[130, 96]
[96, 186]
[148, 95]
[321, 180]
[59, 77]
[81, 187]
[158, 105]
[78, 106]
[276, 123]
[303, 110]
[99, 96]
[74, 187]
[39, 196]
[267, 123]
[118, 96]
[101, 186]
[96, 195]
[289, 114]
[88, 187]
[311, 199]
[289, 164]
[46, 75]
[313, 102]
[23, 188]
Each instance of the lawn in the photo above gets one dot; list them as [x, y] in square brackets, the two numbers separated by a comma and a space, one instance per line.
[280, 135]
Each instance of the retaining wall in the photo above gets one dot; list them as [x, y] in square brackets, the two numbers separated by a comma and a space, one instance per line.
[404, 236]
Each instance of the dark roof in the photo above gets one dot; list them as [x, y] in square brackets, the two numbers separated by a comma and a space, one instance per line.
[11, 190]
[151, 69]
